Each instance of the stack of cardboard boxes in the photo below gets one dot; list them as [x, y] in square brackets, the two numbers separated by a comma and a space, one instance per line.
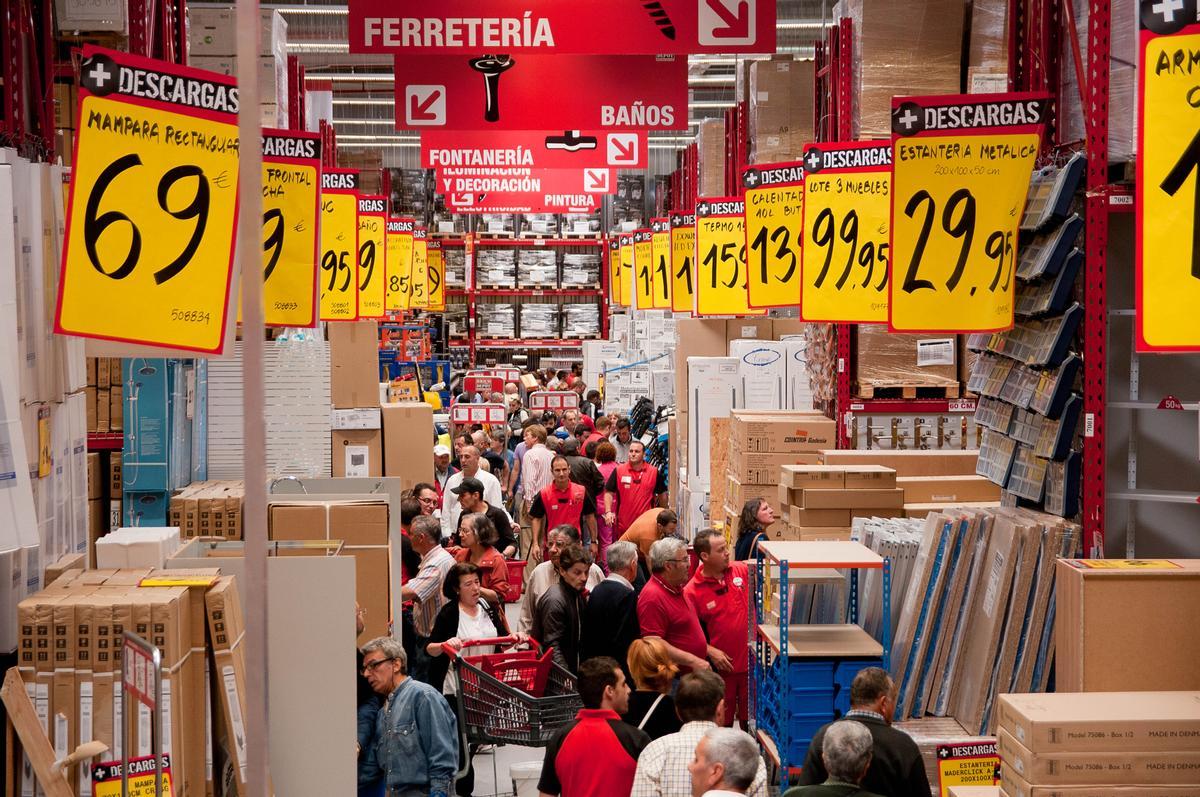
[209, 509]
[212, 46]
[104, 395]
[782, 106]
[930, 480]
[818, 502]
[710, 144]
[1103, 744]
[888, 360]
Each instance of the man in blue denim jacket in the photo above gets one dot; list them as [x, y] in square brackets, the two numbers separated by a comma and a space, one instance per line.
[417, 735]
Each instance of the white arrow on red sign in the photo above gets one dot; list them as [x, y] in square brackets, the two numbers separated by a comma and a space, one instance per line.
[596, 180]
[426, 105]
[727, 21]
[622, 149]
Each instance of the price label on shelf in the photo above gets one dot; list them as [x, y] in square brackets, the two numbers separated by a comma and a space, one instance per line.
[419, 298]
[372, 255]
[961, 171]
[553, 400]
[614, 270]
[291, 202]
[847, 218]
[487, 414]
[683, 262]
[1168, 178]
[339, 245]
[148, 256]
[721, 258]
[625, 240]
[774, 219]
[398, 263]
[660, 255]
[435, 275]
[643, 270]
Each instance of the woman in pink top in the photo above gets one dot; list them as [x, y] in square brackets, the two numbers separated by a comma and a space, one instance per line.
[606, 461]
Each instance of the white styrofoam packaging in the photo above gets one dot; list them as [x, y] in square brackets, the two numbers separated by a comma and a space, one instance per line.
[212, 30]
[111, 16]
[799, 387]
[762, 368]
[272, 74]
[144, 546]
[696, 515]
[714, 389]
[662, 387]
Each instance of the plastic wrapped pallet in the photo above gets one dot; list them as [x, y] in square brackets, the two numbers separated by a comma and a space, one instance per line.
[537, 268]
[1122, 81]
[497, 320]
[443, 222]
[496, 268]
[580, 224]
[987, 56]
[501, 224]
[454, 261]
[711, 144]
[541, 224]
[888, 359]
[581, 270]
[781, 109]
[539, 320]
[581, 320]
[901, 48]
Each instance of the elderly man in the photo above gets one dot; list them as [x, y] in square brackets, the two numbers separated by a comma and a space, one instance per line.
[545, 575]
[662, 770]
[664, 611]
[896, 768]
[425, 588]
[416, 743]
[610, 616]
[725, 765]
[720, 591]
[451, 510]
[846, 753]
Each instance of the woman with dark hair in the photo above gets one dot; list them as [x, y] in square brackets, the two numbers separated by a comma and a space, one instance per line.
[477, 535]
[756, 515]
[606, 462]
[558, 617]
[466, 616]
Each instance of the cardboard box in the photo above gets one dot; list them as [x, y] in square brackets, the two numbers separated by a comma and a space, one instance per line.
[89, 404]
[115, 477]
[226, 629]
[764, 467]
[737, 494]
[212, 30]
[1069, 767]
[908, 463]
[354, 364]
[781, 106]
[798, 516]
[891, 359]
[1127, 625]
[74, 561]
[95, 477]
[786, 531]
[869, 477]
[800, 477]
[405, 425]
[89, 362]
[947, 489]
[781, 432]
[116, 411]
[357, 452]
[710, 141]
[1013, 785]
[1100, 721]
[852, 499]
[103, 409]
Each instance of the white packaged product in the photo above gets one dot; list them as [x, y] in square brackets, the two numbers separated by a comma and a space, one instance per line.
[539, 320]
[504, 224]
[714, 389]
[496, 268]
[454, 261]
[456, 320]
[537, 268]
[542, 224]
[496, 320]
[762, 368]
[581, 269]
[581, 223]
[581, 320]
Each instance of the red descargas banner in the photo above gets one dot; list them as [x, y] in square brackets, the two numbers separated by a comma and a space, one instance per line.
[582, 27]
[562, 149]
[526, 92]
[532, 181]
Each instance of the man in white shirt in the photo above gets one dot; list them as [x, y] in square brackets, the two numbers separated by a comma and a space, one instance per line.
[662, 769]
[725, 764]
[545, 575]
[468, 457]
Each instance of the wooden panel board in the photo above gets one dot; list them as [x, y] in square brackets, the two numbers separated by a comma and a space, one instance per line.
[718, 462]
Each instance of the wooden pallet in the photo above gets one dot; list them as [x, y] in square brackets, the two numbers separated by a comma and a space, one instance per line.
[501, 235]
[593, 336]
[583, 236]
[530, 234]
[907, 390]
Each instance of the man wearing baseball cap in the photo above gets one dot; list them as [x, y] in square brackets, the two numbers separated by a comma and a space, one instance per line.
[442, 469]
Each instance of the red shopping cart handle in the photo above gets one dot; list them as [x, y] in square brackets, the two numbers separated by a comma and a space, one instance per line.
[500, 640]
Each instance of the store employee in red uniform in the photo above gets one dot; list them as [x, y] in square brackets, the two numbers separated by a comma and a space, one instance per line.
[720, 592]
[562, 501]
[632, 488]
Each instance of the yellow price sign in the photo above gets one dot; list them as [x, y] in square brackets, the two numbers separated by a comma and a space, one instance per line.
[847, 223]
[372, 255]
[1168, 195]
[435, 275]
[961, 171]
[148, 257]
[399, 263]
[339, 244]
[291, 202]
[106, 777]
[643, 270]
[774, 219]
[614, 270]
[660, 254]
[627, 276]
[721, 258]
[683, 262]
[974, 763]
[419, 298]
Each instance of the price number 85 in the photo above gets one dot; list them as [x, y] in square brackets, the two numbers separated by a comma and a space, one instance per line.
[958, 221]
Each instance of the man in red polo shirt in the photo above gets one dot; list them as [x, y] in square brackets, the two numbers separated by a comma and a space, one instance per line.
[632, 488]
[596, 755]
[563, 502]
[720, 593]
[664, 611]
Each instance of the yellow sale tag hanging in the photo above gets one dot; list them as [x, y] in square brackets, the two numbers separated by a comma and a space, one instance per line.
[291, 202]
[627, 275]
[339, 245]
[1168, 174]
[614, 271]
[847, 218]
[961, 171]
[435, 275]
[721, 258]
[419, 299]
[660, 253]
[774, 213]
[683, 262]
[643, 271]
[372, 229]
[148, 256]
[399, 264]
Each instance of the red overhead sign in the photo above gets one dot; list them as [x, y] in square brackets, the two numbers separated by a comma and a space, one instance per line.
[516, 202]
[584, 27]
[525, 92]
[562, 149]
[534, 181]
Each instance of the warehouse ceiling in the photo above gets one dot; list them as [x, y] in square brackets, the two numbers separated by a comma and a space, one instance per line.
[363, 84]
